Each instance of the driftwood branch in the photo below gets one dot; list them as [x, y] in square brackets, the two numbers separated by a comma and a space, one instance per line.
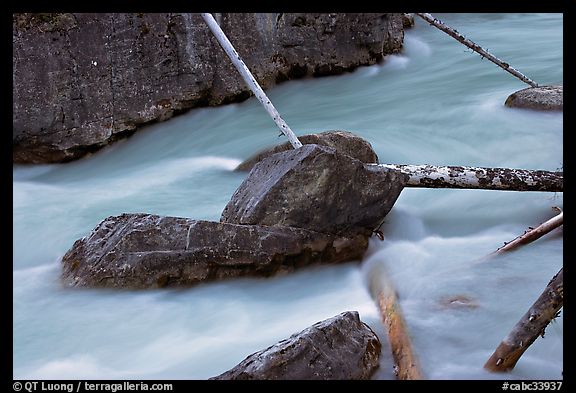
[476, 48]
[505, 179]
[406, 364]
[249, 79]
[531, 234]
[530, 326]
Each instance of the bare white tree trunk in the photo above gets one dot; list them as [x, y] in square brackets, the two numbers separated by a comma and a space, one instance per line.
[529, 327]
[249, 79]
[505, 179]
[476, 48]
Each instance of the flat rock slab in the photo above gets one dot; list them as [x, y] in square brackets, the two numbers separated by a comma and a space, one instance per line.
[544, 98]
[149, 251]
[343, 141]
[339, 348]
[317, 188]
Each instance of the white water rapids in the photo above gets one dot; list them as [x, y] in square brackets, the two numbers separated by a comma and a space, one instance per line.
[436, 103]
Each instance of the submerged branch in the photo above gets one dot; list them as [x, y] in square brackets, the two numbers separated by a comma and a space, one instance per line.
[406, 364]
[531, 234]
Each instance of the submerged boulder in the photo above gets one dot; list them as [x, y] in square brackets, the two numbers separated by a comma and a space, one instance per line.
[150, 251]
[343, 141]
[338, 348]
[317, 188]
[544, 98]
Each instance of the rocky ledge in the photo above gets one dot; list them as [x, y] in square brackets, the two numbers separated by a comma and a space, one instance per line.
[83, 80]
[339, 348]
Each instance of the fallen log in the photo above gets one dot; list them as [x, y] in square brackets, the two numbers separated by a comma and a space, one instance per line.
[406, 363]
[504, 179]
[476, 48]
[249, 79]
[531, 234]
[529, 327]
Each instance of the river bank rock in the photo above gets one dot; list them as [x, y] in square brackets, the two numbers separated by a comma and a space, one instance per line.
[338, 348]
[343, 141]
[149, 251]
[314, 187]
[407, 20]
[84, 80]
[544, 98]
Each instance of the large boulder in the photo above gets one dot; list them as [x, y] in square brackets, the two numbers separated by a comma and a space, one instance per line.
[83, 80]
[150, 251]
[544, 98]
[343, 141]
[317, 188]
[339, 348]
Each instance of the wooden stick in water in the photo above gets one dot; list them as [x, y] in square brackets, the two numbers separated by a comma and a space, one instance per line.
[532, 234]
[529, 327]
[407, 366]
[476, 48]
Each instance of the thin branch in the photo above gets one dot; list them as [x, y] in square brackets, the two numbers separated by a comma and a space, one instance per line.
[475, 47]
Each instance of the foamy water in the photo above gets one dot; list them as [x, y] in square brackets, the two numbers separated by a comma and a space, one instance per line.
[435, 103]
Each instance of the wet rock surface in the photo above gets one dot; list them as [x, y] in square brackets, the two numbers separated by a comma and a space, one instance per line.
[84, 80]
[343, 141]
[544, 98]
[338, 348]
[316, 188]
[408, 20]
[149, 251]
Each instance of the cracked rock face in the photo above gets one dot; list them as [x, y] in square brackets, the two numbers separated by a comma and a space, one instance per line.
[81, 81]
[149, 251]
[338, 348]
[316, 188]
[544, 98]
[343, 141]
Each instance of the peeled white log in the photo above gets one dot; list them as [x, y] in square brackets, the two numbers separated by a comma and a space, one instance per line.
[476, 48]
[505, 179]
[529, 327]
[249, 79]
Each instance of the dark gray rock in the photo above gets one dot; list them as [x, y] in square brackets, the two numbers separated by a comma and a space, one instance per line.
[343, 141]
[544, 98]
[316, 188]
[407, 20]
[339, 348]
[149, 251]
[81, 81]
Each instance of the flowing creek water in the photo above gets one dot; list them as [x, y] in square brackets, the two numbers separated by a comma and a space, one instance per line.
[435, 103]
